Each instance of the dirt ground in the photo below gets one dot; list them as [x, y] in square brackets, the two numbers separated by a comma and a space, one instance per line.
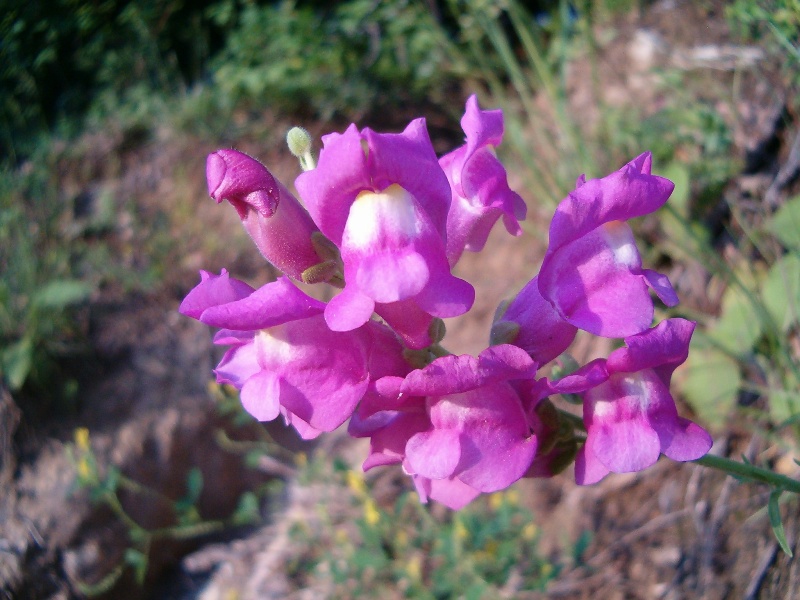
[672, 532]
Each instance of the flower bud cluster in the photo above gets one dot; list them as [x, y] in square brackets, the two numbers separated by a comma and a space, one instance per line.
[385, 220]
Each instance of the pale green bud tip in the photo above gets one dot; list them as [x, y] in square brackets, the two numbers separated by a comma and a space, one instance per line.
[299, 141]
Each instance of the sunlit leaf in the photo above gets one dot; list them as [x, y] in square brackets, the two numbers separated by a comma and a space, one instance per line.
[62, 292]
[16, 361]
[781, 291]
[785, 224]
[679, 175]
[775, 521]
[711, 383]
[247, 511]
[739, 325]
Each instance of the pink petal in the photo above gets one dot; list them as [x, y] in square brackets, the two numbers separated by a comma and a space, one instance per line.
[434, 454]
[588, 469]
[409, 321]
[661, 285]
[594, 283]
[272, 304]
[625, 194]
[629, 445]
[408, 159]
[453, 493]
[392, 276]
[683, 440]
[330, 189]
[543, 333]
[213, 290]
[260, 396]
[349, 310]
[446, 296]
[662, 348]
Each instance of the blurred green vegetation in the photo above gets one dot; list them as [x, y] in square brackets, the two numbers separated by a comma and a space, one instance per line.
[64, 60]
[396, 547]
[107, 485]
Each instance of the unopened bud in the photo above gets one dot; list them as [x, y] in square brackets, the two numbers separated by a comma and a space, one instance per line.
[503, 332]
[325, 249]
[300, 143]
[321, 273]
[278, 224]
[437, 331]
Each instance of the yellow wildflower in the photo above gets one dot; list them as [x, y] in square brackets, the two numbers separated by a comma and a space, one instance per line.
[82, 439]
[529, 532]
[355, 481]
[371, 513]
[414, 568]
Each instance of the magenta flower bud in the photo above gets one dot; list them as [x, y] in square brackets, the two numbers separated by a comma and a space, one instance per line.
[278, 224]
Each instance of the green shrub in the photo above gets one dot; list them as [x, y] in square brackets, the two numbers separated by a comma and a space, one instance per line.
[361, 54]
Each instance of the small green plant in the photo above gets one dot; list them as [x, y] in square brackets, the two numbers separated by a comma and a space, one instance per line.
[402, 549]
[774, 22]
[39, 288]
[104, 486]
[751, 347]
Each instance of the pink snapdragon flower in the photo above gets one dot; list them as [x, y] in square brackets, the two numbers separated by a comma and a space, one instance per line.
[558, 444]
[592, 272]
[280, 227]
[283, 357]
[531, 323]
[480, 192]
[383, 200]
[631, 417]
[457, 426]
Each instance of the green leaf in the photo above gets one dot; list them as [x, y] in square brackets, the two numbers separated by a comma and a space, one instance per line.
[194, 485]
[711, 383]
[785, 224]
[679, 175]
[112, 480]
[62, 292]
[739, 325]
[186, 505]
[781, 291]
[16, 362]
[137, 560]
[775, 521]
[783, 405]
[247, 511]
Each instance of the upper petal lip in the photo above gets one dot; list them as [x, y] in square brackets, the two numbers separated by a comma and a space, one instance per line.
[216, 168]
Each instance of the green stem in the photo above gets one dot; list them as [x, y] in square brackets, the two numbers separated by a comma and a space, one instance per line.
[575, 420]
[750, 472]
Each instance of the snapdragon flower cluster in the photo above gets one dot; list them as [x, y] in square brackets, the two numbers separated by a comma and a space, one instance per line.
[384, 220]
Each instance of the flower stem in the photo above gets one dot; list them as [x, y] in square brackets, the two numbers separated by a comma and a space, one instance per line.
[750, 472]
